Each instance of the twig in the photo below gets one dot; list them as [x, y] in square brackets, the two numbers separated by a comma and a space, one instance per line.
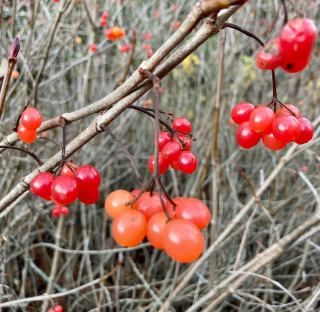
[15, 129]
[34, 156]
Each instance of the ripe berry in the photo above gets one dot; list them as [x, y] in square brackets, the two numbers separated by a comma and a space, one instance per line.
[174, 165]
[25, 135]
[194, 210]
[296, 66]
[125, 48]
[171, 151]
[163, 164]
[64, 190]
[103, 22]
[156, 13]
[135, 193]
[67, 171]
[269, 141]
[164, 138]
[285, 112]
[246, 138]
[176, 25]
[89, 198]
[304, 169]
[64, 210]
[241, 112]
[270, 56]
[146, 46]
[93, 47]
[187, 162]
[51, 310]
[182, 124]
[187, 143]
[58, 308]
[182, 240]
[286, 128]
[261, 119]
[15, 74]
[41, 184]
[129, 228]
[115, 202]
[88, 178]
[115, 33]
[306, 131]
[105, 15]
[171, 209]
[155, 228]
[56, 211]
[148, 36]
[78, 40]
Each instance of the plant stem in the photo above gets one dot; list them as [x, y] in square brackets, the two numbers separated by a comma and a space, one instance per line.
[34, 156]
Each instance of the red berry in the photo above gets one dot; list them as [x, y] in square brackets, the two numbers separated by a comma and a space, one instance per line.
[174, 165]
[155, 228]
[56, 211]
[148, 36]
[304, 169]
[270, 56]
[187, 162]
[51, 310]
[26, 136]
[93, 47]
[67, 171]
[58, 308]
[241, 112]
[164, 138]
[146, 46]
[103, 22]
[135, 193]
[261, 119]
[171, 209]
[88, 178]
[156, 13]
[163, 164]
[31, 118]
[296, 66]
[187, 143]
[246, 138]
[90, 197]
[64, 210]
[269, 141]
[171, 151]
[297, 38]
[176, 24]
[105, 15]
[64, 190]
[125, 48]
[41, 184]
[182, 124]
[306, 133]
[285, 112]
[286, 128]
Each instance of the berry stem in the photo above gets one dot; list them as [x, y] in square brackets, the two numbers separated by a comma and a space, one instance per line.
[115, 139]
[34, 156]
[15, 129]
[166, 194]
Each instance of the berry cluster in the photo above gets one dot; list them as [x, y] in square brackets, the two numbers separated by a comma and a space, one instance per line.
[175, 152]
[31, 120]
[276, 129]
[104, 18]
[292, 51]
[115, 33]
[57, 308]
[180, 236]
[58, 210]
[73, 183]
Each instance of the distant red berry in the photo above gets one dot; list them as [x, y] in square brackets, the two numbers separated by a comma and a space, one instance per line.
[89, 198]
[125, 48]
[241, 112]
[176, 25]
[146, 47]
[103, 22]
[93, 47]
[56, 211]
[105, 15]
[187, 162]
[163, 164]
[174, 7]
[149, 53]
[58, 308]
[182, 124]
[156, 13]
[304, 169]
[246, 138]
[148, 36]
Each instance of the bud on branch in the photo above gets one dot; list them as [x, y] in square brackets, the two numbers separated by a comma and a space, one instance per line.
[15, 47]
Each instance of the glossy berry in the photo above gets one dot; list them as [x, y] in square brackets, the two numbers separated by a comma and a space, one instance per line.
[26, 136]
[116, 201]
[89, 198]
[102, 22]
[182, 240]
[182, 124]
[286, 128]
[31, 118]
[306, 131]
[163, 164]
[171, 151]
[64, 190]
[67, 171]
[285, 112]
[64, 210]
[164, 138]
[15, 74]
[194, 210]
[296, 66]
[129, 228]
[87, 177]
[105, 15]
[187, 143]
[171, 208]
[58, 308]
[187, 162]
[269, 141]
[175, 166]
[270, 56]
[150, 205]
[241, 112]
[155, 229]
[56, 211]
[246, 138]
[93, 47]
[261, 119]
[41, 184]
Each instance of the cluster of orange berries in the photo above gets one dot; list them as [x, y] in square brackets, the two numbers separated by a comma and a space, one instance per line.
[179, 235]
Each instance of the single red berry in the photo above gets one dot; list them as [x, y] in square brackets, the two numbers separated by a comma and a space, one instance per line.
[164, 138]
[148, 36]
[174, 165]
[187, 162]
[296, 66]
[146, 46]
[286, 129]
[261, 119]
[58, 308]
[156, 13]
[103, 22]
[64, 210]
[160, 90]
[105, 15]
[67, 171]
[269, 141]
[56, 211]
[90, 197]
[246, 138]
[306, 131]
[25, 135]
[284, 112]
[187, 143]
[41, 184]
[31, 118]
[241, 112]
[51, 310]
[88, 178]
[182, 124]
[270, 56]
[163, 164]
[176, 25]
[304, 169]
[171, 151]
[93, 47]
[64, 190]
[125, 48]
[135, 193]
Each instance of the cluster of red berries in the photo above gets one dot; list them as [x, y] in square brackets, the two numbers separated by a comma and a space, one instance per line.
[58, 210]
[78, 182]
[180, 237]
[115, 33]
[57, 308]
[292, 50]
[104, 18]
[172, 152]
[275, 129]
[31, 120]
